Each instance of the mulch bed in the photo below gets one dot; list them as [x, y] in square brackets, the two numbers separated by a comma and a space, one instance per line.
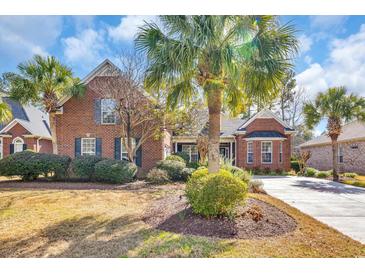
[256, 219]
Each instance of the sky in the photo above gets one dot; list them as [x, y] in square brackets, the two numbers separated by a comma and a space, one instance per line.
[332, 48]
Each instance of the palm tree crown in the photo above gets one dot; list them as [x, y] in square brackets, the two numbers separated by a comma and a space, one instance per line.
[230, 58]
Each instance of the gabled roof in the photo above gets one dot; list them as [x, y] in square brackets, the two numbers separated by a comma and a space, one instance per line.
[265, 114]
[350, 132]
[100, 70]
[265, 134]
[31, 118]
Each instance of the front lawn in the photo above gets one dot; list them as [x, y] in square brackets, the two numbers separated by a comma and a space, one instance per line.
[93, 221]
[359, 180]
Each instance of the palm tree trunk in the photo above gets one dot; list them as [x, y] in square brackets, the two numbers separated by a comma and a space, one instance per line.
[214, 107]
[52, 125]
[334, 160]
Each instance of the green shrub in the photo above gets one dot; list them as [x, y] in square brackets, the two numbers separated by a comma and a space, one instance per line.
[183, 155]
[194, 165]
[186, 173]
[115, 171]
[239, 173]
[322, 174]
[267, 170]
[158, 176]
[215, 194]
[310, 172]
[295, 166]
[350, 174]
[29, 165]
[175, 157]
[173, 168]
[279, 171]
[84, 166]
[257, 171]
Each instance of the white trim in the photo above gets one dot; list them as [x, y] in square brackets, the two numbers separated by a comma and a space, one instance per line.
[13, 123]
[250, 142]
[262, 142]
[101, 112]
[339, 148]
[265, 139]
[281, 152]
[36, 136]
[1, 147]
[82, 140]
[14, 142]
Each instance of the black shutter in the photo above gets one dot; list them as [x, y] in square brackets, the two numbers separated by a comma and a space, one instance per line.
[98, 147]
[97, 111]
[24, 147]
[139, 154]
[117, 155]
[11, 148]
[179, 148]
[77, 147]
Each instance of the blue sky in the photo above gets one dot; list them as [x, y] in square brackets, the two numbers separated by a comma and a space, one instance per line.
[332, 47]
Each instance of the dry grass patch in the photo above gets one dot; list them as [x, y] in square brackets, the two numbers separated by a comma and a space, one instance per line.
[108, 223]
[357, 181]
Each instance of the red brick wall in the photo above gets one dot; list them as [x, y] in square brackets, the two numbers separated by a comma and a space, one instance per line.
[263, 125]
[45, 146]
[77, 121]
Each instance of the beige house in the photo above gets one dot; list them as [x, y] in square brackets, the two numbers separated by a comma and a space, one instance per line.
[351, 149]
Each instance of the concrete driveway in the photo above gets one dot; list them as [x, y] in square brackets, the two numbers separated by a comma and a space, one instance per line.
[337, 205]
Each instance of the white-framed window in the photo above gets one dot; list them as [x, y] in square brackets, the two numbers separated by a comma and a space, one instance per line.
[88, 146]
[108, 111]
[18, 144]
[167, 151]
[266, 152]
[1, 147]
[249, 152]
[124, 152]
[340, 154]
[192, 151]
[281, 152]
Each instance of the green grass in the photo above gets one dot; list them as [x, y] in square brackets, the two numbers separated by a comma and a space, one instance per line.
[357, 181]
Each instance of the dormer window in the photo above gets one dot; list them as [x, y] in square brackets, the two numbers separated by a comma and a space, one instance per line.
[108, 111]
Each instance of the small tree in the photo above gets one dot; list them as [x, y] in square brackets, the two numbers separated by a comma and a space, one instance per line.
[44, 81]
[202, 146]
[335, 106]
[286, 93]
[303, 158]
[138, 114]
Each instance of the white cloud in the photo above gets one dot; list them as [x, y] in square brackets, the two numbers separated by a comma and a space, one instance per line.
[85, 47]
[345, 66]
[305, 43]
[328, 22]
[23, 36]
[128, 27]
[308, 59]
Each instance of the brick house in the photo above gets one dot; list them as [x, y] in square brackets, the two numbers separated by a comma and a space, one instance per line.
[351, 149]
[86, 126]
[28, 129]
[262, 141]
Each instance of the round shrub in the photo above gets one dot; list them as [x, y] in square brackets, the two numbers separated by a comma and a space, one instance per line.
[175, 157]
[173, 168]
[350, 174]
[310, 172]
[115, 171]
[295, 165]
[215, 194]
[158, 176]
[322, 174]
[186, 173]
[239, 173]
[183, 155]
[84, 166]
[29, 165]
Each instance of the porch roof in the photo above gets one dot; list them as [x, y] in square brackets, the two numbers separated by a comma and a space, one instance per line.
[265, 134]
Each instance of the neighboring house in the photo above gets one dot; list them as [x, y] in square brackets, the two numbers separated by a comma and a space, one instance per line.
[351, 149]
[262, 141]
[28, 129]
[87, 126]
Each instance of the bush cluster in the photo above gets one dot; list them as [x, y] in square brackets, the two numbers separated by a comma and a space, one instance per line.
[29, 165]
[115, 171]
[83, 167]
[215, 194]
[173, 168]
[174, 157]
[295, 166]
[311, 172]
[350, 174]
[322, 174]
[158, 176]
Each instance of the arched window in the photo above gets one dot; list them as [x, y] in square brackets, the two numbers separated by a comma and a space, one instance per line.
[18, 144]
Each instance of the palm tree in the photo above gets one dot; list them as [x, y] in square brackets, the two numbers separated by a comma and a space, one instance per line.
[335, 106]
[5, 113]
[229, 58]
[43, 81]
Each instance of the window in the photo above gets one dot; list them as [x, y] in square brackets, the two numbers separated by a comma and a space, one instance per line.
[167, 151]
[192, 151]
[340, 154]
[124, 152]
[249, 152]
[88, 146]
[18, 144]
[281, 152]
[107, 111]
[266, 152]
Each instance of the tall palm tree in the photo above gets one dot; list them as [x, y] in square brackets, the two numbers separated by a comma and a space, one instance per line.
[335, 106]
[5, 112]
[230, 58]
[43, 81]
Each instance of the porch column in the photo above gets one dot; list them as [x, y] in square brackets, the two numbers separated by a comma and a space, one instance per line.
[230, 150]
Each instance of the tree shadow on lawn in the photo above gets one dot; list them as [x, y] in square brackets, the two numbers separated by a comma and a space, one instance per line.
[125, 236]
[330, 187]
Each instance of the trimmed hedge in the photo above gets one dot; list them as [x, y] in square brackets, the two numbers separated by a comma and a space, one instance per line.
[173, 168]
[295, 165]
[175, 157]
[84, 166]
[115, 171]
[29, 165]
[158, 176]
[215, 194]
